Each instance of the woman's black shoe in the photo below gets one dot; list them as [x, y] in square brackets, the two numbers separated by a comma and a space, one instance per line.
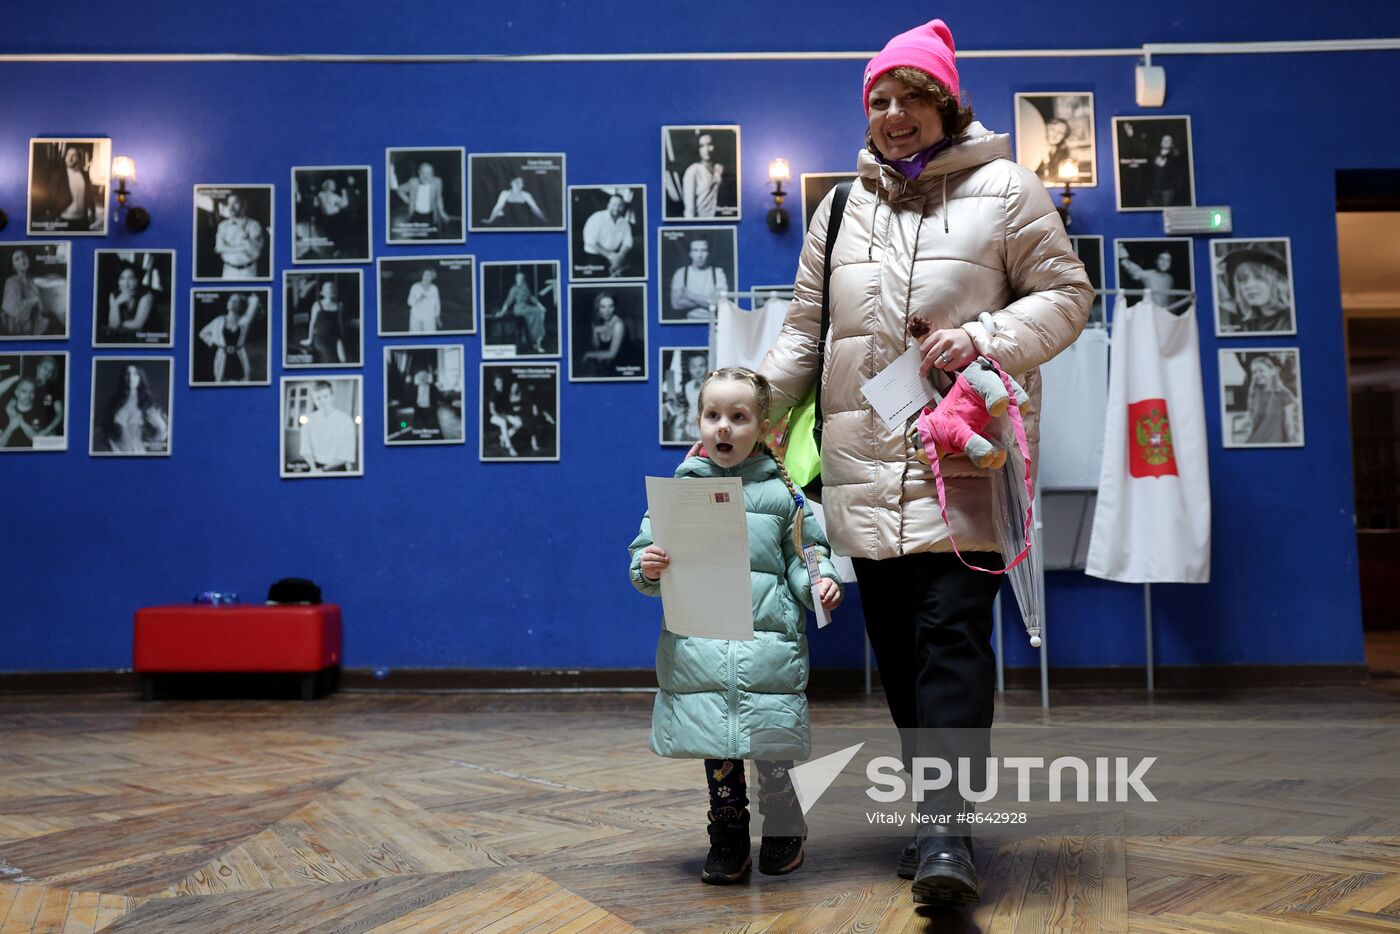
[778, 856]
[945, 875]
[729, 860]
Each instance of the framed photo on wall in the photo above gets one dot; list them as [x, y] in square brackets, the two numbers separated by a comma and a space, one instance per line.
[69, 180]
[607, 232]
[426, 194]
[423, 394]
[322, 426]
[133, 298]
[607, 333]
[520, 313]
[1253, 282]
[426, 295]
[1153, 161]
[131, 409]
[33, 402]
[230, 336]
[1055, 131]
[34, 290]
[519, 412]
[321, 314]
[1162, 266]
[1090, 249]
[331, 214]
[233, 233]
[700, 173]
[1261, 398]
[697, 266]
[516, 191]
[683, 371]
[815, 186]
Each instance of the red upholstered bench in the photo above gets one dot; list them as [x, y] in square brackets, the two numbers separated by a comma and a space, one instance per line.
[198, 638]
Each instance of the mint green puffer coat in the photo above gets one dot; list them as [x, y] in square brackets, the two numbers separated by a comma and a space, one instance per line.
[716, 692]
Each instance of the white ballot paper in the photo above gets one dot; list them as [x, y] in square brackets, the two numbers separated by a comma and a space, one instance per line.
[814, 574]
[700, 524]
[898, 391]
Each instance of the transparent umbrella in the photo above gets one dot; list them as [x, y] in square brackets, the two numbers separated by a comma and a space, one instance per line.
[1012, 516]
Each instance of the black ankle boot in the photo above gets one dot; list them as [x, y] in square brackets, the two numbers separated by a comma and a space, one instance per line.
[729, 860]
[778, 856]
[946, 874]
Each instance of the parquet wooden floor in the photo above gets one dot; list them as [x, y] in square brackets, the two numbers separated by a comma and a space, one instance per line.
[496, 813]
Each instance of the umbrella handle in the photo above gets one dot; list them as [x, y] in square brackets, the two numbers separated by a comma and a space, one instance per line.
[1013, 412]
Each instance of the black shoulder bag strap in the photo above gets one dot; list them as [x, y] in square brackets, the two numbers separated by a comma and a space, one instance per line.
[833, 227]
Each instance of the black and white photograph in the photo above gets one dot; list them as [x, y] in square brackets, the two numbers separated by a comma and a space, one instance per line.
[519, 412]
[332, 217]
[607, 333]
[1253, 282]
[34, 290]
[1153, 161]
[131, 406]
[607, 232]
[426, 194]
[69, 181]
[1055, 137]
[133, 298]
[230, 337]
[1090, 250]
[321, 310]
[815, 186]
[33, 402]
[1159, 269]
[233, 233]
[683, 372]
[1261, 398]
[516, 191]
[520, 309]
[323, 430]
[423, 393]
[700, 173]
[698, 266]
[761, 295]
[426, 295]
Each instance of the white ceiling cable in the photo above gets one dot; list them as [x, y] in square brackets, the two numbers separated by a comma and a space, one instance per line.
[1145, 51]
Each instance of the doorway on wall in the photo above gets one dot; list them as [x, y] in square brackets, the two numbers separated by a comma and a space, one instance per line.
[1368, 240]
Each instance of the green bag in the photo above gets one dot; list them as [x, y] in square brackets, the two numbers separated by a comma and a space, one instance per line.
[803, 457]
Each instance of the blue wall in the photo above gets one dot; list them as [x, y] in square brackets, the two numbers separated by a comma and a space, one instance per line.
[441, 561]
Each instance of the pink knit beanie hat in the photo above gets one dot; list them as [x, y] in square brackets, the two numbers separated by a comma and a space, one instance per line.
[928, 48]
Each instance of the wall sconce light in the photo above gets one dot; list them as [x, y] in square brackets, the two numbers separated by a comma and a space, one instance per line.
[137, 218]
[778, 172]
[1068, 172]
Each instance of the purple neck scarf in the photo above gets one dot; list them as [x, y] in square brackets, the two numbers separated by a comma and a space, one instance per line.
[914, 166]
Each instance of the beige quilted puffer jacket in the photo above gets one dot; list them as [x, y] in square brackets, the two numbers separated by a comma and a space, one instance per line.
[975, 232]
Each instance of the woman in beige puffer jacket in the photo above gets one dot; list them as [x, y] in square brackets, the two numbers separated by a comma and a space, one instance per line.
[940, 224]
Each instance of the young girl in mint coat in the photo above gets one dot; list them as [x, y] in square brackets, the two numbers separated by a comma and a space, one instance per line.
[727, 700]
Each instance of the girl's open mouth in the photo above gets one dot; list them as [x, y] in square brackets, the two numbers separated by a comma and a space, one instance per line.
[724, 446]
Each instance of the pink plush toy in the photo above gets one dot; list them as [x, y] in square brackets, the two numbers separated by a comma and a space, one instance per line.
[957, 424]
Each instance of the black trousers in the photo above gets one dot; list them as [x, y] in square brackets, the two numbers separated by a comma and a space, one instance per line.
[929, 620]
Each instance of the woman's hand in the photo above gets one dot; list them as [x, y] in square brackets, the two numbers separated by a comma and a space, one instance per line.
[829, 593]
[654, 561]
[950, 349]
